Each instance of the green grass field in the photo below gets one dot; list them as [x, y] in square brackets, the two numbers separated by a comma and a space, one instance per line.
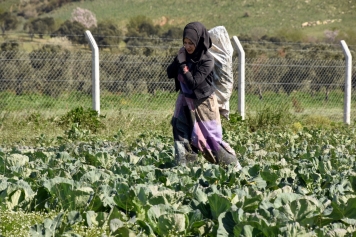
[24, 119]
[265, 16]
[298, 157]
[80, 184]
[255, 18]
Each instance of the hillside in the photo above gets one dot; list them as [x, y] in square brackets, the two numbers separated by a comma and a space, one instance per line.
[252, 17]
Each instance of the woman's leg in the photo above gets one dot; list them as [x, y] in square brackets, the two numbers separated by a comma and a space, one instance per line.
[182, 127]
[207, 132]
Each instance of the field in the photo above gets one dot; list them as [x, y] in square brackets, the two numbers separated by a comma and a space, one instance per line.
[80, 174]
[67, 171]
[280, 15]
[255, 18]
[34, 115]
[296, 181]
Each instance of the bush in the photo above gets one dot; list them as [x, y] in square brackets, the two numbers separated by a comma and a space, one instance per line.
[52, 63]
[291, 35]
[141, 26]
[40, 26]
[173, 33]
[107, 34]
[268, 116]
[10, 49]
[74, 31]
[8, 22]
[139, 29]
[16, 75]
[87, 119]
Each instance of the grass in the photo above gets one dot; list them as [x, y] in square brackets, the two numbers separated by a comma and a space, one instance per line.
[39, 128]
[34, 119]
[300, 104]
[128, 103]
[239, 17]
[162, 102]
[231, 14]
[42, 129]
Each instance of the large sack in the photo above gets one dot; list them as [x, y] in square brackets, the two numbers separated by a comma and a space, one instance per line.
[222, 51]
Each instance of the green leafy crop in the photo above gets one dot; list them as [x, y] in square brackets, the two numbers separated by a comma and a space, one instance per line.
[293, 183]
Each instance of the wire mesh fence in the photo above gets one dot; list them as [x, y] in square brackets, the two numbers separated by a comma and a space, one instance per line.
[306, 86]
[56, 82]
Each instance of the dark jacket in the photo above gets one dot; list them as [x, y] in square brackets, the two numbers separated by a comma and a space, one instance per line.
[199, 78]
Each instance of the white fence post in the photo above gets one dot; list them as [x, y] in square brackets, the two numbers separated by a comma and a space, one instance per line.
[241, 77]
[95, 71]
[348, 85]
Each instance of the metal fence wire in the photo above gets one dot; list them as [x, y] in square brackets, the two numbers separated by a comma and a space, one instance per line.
[57, 82]
[306, 86]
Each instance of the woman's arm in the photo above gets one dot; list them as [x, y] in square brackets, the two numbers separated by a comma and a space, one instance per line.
[172, 69]
[202, 70]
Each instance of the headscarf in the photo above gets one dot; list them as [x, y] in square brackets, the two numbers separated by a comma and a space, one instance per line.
[198, 34]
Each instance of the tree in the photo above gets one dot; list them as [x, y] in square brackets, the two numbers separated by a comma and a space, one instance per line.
[298, 72]
[36, 55]
[139, 47]
[139, 29]
[17, 73]
[40, 26]
[74, 31]
[107, 34]
[172, 33]
[51, 62]
[10, 46]
[328, 76]
[84, 17]
[8, 22]
[172, 39]
[10, 49]
[141, 26]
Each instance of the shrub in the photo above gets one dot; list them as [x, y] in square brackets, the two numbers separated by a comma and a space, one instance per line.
[269, 116]
[107, 34]
[291, 35]
[53, 64]
[12, 45]
[141, 26]
[172, 33]
[40, 26]
[74, 31]
[16, 75]
[139, 29]
[8, 22]
[87, 119]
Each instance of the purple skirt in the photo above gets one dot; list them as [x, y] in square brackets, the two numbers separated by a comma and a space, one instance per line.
[197, 127]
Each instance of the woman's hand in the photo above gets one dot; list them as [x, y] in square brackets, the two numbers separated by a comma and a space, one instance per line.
[181, 55]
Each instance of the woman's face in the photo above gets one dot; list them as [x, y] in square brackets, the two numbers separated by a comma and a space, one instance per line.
[188, 45]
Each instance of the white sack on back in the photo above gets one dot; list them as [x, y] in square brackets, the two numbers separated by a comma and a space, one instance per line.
[222, 51]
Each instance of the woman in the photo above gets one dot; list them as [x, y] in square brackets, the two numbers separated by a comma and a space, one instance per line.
[196, 120]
